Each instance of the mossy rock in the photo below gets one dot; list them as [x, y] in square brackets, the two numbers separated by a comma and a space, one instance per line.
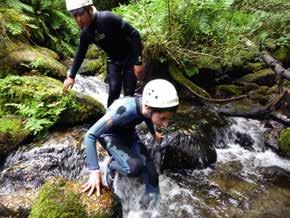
[93, 66]
[254, 67]
[62, 198]
[12, 134]
[264, 77]
[284, 141]
[229, 90]
[42, 102]
[95, 52]
[283, 55]
[23, 58]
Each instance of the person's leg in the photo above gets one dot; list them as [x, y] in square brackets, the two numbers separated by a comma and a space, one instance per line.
[129, 80]
[125, 161]
[150, 175]
[114, 72]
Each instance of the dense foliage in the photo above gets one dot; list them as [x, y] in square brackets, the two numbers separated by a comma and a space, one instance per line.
[208, 32]
[42, 22]
[28, 97]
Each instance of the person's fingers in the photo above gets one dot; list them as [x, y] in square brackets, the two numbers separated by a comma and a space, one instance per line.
[85, 189]
[98, 189]
[91, 191]
[85, 185]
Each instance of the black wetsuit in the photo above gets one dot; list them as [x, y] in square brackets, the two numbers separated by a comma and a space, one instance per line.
[121, 42]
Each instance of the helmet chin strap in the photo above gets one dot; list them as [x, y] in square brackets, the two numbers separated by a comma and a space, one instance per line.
[146, 111]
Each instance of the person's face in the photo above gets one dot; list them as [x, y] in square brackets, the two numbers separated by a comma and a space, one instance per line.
[82, 17]
[161, 119]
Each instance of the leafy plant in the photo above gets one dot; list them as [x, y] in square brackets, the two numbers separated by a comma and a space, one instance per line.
[40, 107]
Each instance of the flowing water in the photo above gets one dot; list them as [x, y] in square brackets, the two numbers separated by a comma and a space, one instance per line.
[249, 181]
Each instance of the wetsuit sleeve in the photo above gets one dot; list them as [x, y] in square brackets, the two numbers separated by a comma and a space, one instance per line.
[114, 116]
[150, 126]
[135, 41]
[80, 55]
[100, 127]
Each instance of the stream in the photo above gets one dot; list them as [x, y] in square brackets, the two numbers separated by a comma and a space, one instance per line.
[246, 181]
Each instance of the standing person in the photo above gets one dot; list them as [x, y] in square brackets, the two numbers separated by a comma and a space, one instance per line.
[116, 133]
[117, 38]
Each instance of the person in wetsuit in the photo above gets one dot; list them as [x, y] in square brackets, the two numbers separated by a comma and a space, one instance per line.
[120, 41]
[116, 133]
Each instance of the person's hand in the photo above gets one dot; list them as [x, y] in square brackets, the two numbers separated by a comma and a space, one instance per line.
[94, 183]
[138, 70]
[158, 137]
[68, 83]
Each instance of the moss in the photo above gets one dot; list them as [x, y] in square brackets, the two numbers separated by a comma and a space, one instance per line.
[229, 90]
[91, 67]
[41, 101]
[262, 77]
[21, 58]
[53, 202]
[85, 107]
[178, 76]
[254, 67]
[62, 198]
[12, 134]
[282, 54]
[284, 141]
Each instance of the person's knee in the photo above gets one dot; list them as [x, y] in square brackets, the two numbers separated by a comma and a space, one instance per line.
[135, 167]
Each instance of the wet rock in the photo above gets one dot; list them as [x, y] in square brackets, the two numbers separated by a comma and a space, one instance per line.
[276, 175]
[189, 142]
[60, 197]
[62, 154]
[18, 204]
[245, 141]
[271, 135]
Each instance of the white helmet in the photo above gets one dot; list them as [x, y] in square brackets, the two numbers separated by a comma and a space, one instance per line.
[76, 4]
[160, 93]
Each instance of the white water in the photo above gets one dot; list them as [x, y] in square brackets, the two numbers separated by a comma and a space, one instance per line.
[251, 159]
[91, 85]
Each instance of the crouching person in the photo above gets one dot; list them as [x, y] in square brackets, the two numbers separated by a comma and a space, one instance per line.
[116, 133]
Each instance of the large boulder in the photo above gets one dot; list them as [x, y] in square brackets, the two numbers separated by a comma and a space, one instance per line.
[284, 142]
[22, 58]
[63, 198]
[40, 100]
[190, 141]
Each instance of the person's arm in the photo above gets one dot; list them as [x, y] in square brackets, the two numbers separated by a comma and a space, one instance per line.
[78, 60]
[92, 135]
[94, 182]
[156, 135]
